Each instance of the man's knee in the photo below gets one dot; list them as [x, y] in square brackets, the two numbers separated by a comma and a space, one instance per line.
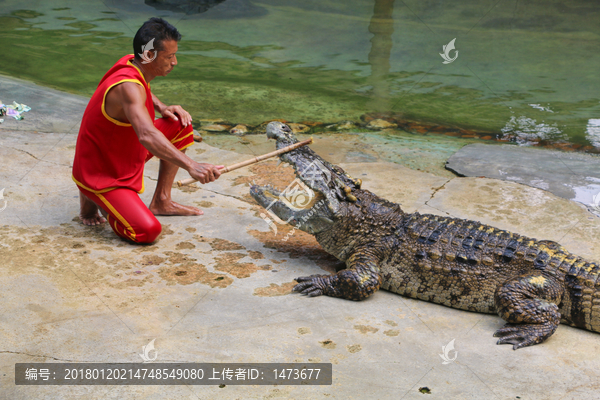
[148, 232]
[175, 125]
[187, 129]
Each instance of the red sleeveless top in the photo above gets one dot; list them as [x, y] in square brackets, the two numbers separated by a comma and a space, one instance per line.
[108, 154]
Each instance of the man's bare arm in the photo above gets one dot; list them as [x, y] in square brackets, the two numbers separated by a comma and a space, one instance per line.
[158, 105]
[133, 100]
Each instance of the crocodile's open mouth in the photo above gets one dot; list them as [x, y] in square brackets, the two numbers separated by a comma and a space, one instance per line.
[312, 200]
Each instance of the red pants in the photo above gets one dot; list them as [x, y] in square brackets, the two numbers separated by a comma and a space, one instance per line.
[128, 216]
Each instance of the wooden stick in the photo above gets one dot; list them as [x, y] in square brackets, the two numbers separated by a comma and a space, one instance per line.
[252, 161]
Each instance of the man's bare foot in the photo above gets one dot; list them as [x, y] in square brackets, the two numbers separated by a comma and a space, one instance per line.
[88, 211]
[172, 208]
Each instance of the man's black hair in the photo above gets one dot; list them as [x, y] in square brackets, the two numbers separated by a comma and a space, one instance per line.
[157, 29]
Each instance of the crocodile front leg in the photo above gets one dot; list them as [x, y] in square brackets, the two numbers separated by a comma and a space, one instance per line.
[529, 303]
[360, 280]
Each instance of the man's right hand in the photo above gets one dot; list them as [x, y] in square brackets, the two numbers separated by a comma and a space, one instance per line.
[205, 173]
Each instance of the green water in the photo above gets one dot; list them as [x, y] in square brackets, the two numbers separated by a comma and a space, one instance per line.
[525, 67]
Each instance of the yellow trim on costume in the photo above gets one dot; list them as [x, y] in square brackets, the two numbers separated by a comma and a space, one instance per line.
[108, 117]
[180, 139]
[178, 133]
[91, 190]
[130, 230]
[81, 185]
[186, 146]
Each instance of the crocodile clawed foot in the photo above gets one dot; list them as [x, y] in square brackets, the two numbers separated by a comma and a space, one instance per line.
[311, 286]
[523, 335]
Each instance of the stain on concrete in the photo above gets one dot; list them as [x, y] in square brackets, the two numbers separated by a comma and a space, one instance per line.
[143, 248]
[337, 358]
[177, 258]
[391, 332]
[53, 252]
[166, 230]
[185, 246]
[364, 329]
[219, 244]
[355, 348]
[133, 282]
[152, 260]
[304, 331]
[255, 255]
[275, 290]
[191, 188]
[229, 263]
[391, 323]
[190, 272]
[328, 344]
[204, 204]
[299, 245]
[268, 173]
[41, 312]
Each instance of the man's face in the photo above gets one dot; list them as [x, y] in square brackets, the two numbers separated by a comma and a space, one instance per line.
[166, 59]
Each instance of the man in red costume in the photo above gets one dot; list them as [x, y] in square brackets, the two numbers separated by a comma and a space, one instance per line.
[119, 134]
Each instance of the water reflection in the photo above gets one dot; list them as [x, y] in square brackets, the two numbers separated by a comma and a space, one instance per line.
[527, 131]
[382, 28]
[185, 6]
[221, 8]
[593, 132]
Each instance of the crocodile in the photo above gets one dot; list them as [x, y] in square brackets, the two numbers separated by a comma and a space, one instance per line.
[534, 285]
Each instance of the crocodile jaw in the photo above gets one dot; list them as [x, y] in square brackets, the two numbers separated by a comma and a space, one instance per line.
[313, 215]
[314, 198]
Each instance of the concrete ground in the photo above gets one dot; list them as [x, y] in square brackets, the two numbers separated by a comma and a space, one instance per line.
[216, 288]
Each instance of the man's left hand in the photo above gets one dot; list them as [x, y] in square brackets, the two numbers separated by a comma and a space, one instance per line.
[177, 113]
